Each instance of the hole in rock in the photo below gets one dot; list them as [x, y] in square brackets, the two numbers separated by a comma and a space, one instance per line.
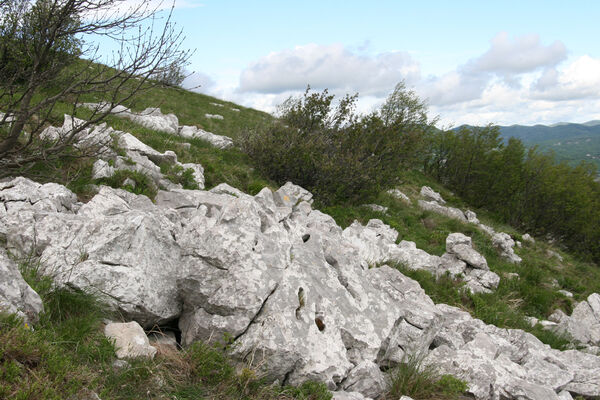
[169, 328]
[305, 237]
[320, 324]
[301, 301]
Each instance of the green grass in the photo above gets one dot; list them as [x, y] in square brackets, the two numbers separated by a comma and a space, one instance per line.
[423, 382]
[533, 293]
[66, 353]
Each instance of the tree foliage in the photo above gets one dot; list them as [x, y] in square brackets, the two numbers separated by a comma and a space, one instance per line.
[49, 62]
[336, 153]
[524, 187]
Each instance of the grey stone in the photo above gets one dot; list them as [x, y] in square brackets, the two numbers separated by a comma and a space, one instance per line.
[376, 208]
[101, 169]
[431, 195]
[471, 217]
[505, 245]
[399, 195]
[130, 340]
[16, 296]
[450, 212]
[461, 246]
[528, 238]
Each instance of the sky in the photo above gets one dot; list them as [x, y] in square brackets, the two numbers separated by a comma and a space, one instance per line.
[474, 62]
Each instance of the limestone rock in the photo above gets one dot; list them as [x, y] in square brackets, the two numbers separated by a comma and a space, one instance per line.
[528, 238]
[16, 296]
[471, 217]
[130, 340]
[431, 195]
[221, 142]
[213, 116]
[366, 378]
[508, 363]
[584, 323]
[450, 212]
[376, 208]
[101, 169]
[461, 246]
[292, 289]
[399, 195]
[505, 245]
[198, 173]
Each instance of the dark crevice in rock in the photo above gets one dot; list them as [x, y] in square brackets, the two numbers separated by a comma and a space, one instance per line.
[262, 306]
[301, 302]
[413, 324]
[319, 322]
[286, 377]
[112, 264]
[213, 262]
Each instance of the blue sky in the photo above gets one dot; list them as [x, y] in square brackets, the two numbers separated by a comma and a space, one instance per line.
[503, 62]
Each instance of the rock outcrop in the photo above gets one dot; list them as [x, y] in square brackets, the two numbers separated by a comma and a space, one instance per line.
[509, 363]
[16, 296]
[153, 118]
[502, 241]
[296, 294]
[103, 141]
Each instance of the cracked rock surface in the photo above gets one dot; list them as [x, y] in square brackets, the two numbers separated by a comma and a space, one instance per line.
[293, 290]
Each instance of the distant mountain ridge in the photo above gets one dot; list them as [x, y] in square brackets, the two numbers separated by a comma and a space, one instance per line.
[571, 142]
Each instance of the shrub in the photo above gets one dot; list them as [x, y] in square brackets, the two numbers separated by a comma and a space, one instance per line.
[336, 153]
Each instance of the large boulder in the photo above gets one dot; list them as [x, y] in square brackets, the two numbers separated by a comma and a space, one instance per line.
[295, 294]
[508, 363]
[584, 323]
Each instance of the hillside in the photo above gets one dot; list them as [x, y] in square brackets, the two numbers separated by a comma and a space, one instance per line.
[570, 142]
[355, 297]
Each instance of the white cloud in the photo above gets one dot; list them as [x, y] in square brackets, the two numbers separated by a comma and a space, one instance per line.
[578, 80]
[328, 66]
[522, 54]
[516, 80]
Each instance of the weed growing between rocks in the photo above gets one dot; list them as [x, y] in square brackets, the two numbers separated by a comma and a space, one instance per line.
[503, 307]
[422, 382]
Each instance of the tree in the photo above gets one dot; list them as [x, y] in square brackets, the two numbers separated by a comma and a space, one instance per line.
[334, 152]
[49, 61]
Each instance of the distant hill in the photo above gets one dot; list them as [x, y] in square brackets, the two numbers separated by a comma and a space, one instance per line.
[569, 141]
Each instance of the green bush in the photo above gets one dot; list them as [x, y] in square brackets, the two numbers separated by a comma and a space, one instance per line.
[334, 152]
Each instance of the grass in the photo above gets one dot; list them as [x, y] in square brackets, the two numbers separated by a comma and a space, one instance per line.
[66, 354]
[534, 293]
[422, 382]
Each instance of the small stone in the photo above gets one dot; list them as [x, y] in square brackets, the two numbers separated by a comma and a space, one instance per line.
[429, 194]
[376, 208]
[528, 238]
[130, 340]
[399, 195]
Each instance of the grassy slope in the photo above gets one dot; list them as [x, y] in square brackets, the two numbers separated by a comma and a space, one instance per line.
[533, 294]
